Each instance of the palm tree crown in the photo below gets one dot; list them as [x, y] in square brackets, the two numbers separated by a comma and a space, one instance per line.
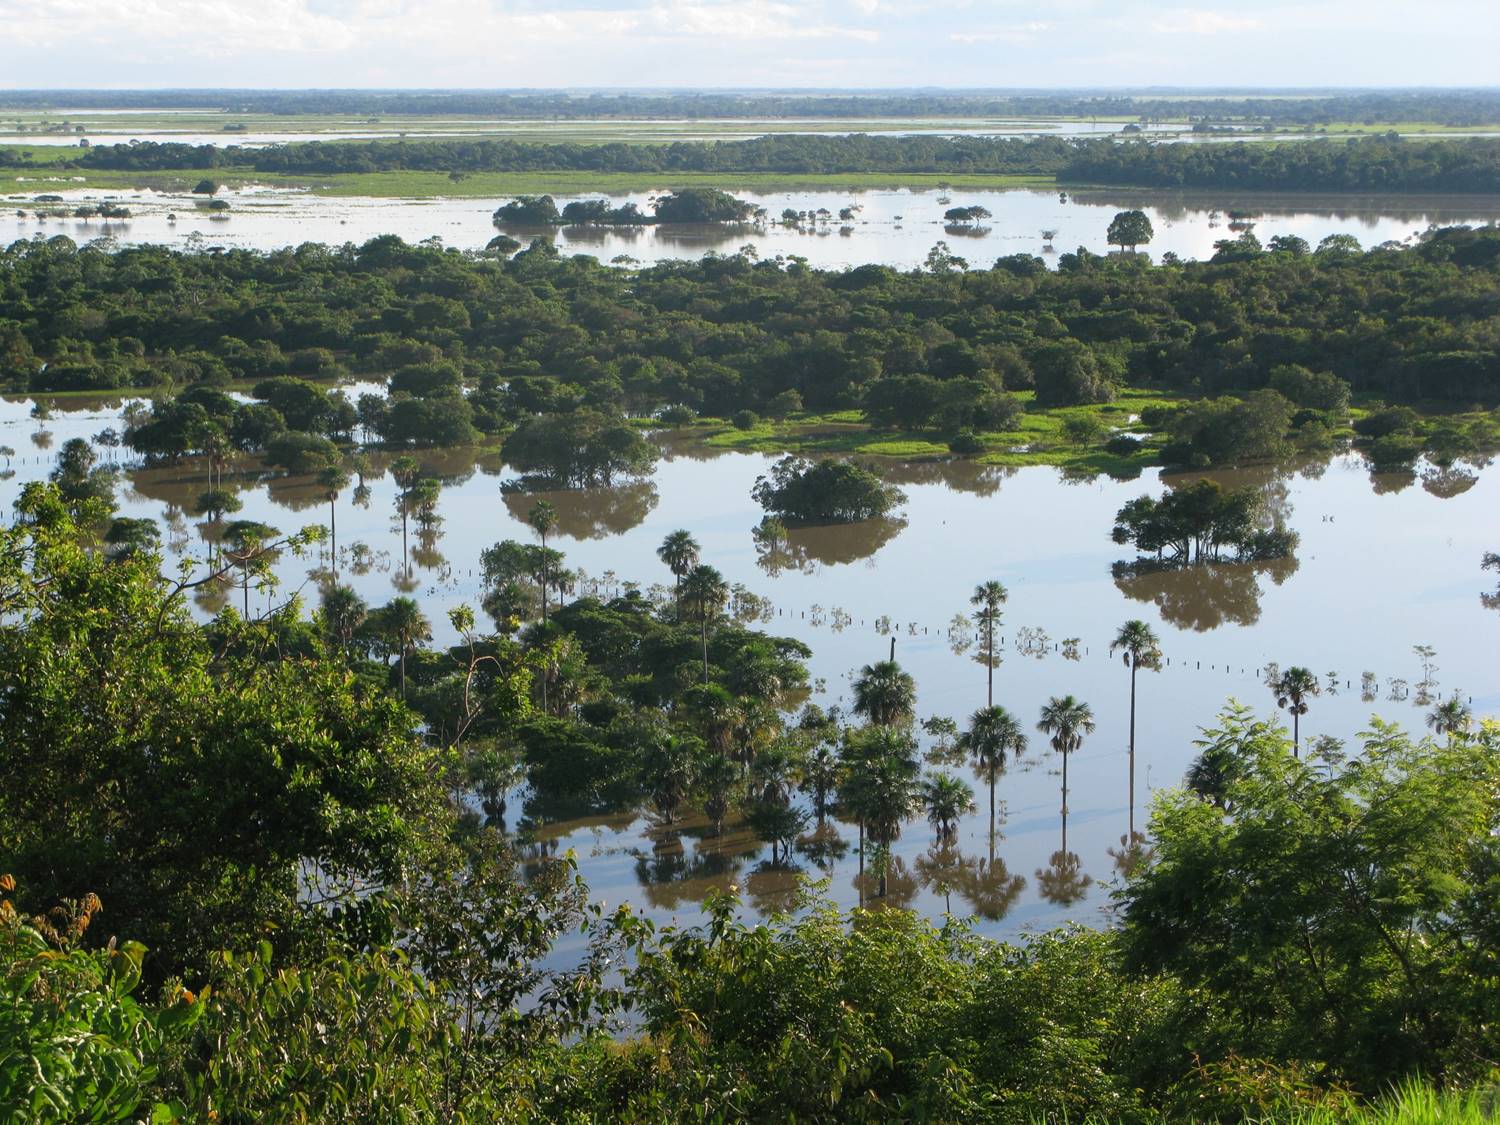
[1138, 645]
[885, 694]
[1066, 721]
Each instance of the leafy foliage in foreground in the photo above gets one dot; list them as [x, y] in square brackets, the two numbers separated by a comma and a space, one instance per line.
[1299, 934]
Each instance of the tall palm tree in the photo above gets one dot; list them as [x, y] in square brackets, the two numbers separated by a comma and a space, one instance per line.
[679, 551]
[882, 791]
[705, 590]
[989, 597]
[885, 694]
[947, 799]
[407, 626]
[1295, 687]
[1066, 721]
[406, 470]
[1139, 648]
[543, 518]
[993, 737]
[821, 772]
[333, 479]
[1450, 717]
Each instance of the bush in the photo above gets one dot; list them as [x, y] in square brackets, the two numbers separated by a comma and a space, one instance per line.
[1122, 445]
[745, 419]
[678, 415]
[965, 442]
[825, 491]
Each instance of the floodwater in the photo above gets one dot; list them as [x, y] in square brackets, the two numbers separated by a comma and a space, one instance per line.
[1385, 564]
[118, 129]
[897, 227]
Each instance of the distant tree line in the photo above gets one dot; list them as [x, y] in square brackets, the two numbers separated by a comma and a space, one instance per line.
[1384, 163]
[1313, 107]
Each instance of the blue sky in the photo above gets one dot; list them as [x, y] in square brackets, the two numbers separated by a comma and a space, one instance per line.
[505, 43]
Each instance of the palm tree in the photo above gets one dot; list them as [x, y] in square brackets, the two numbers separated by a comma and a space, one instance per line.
[885, 694]
[1293, 690]
[1451, 717]
[333, 479]
[248, 539]
[880, 789]
[1139, 648]
[707, 592]
[946, 799]
[993, 736]
[1065, 721]
[543, 518]
[344, 612]
[406, 470]
[989, 597]
[679, 551]
[406, 624]
[821, 773]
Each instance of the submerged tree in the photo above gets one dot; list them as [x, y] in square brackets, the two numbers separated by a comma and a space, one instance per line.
[1139, 649]
[1066, 721]
[988, 597]
[994, 738]
[885, 694]
[1293, 689]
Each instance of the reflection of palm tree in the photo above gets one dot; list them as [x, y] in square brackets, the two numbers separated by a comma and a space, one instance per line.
[679, 551]
[1066, 721]
[1293, 690]
[333, 479]
[1139, 648]
[942, 869]
[896, 885]
[993, 737]
[1063, 882]
[885, 694]
[990, 889]
[988, 596]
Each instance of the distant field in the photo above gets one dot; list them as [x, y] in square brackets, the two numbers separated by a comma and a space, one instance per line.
[480, 185]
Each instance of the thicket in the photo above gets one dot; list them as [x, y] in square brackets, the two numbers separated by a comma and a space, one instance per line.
[540, 334]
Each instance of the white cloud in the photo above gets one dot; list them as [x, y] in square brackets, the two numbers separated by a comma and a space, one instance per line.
[751, 19]
[1012, 33]
[1191, 21]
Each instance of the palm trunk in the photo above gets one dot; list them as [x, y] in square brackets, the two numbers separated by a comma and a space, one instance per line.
[992, 810]
[1296, 734]
[705, 650]
[1131, 839]
[1065, 805]
[333, 536]
[403, 667]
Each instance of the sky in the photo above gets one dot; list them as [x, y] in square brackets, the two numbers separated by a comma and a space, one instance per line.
[740, 43]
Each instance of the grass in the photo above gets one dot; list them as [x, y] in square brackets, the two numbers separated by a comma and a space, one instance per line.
[42, 177]
[1038, 440]
[1410, 1103]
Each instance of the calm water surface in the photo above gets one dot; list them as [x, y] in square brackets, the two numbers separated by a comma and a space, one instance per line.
[894, 226]
[1385, 564]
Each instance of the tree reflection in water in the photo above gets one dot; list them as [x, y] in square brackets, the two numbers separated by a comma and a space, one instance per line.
[590, 513]
[901, 886]
[823, 847]
[804, 549]
[1201, 596]
[773, 888]
[987, 886]
[1062, 882]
